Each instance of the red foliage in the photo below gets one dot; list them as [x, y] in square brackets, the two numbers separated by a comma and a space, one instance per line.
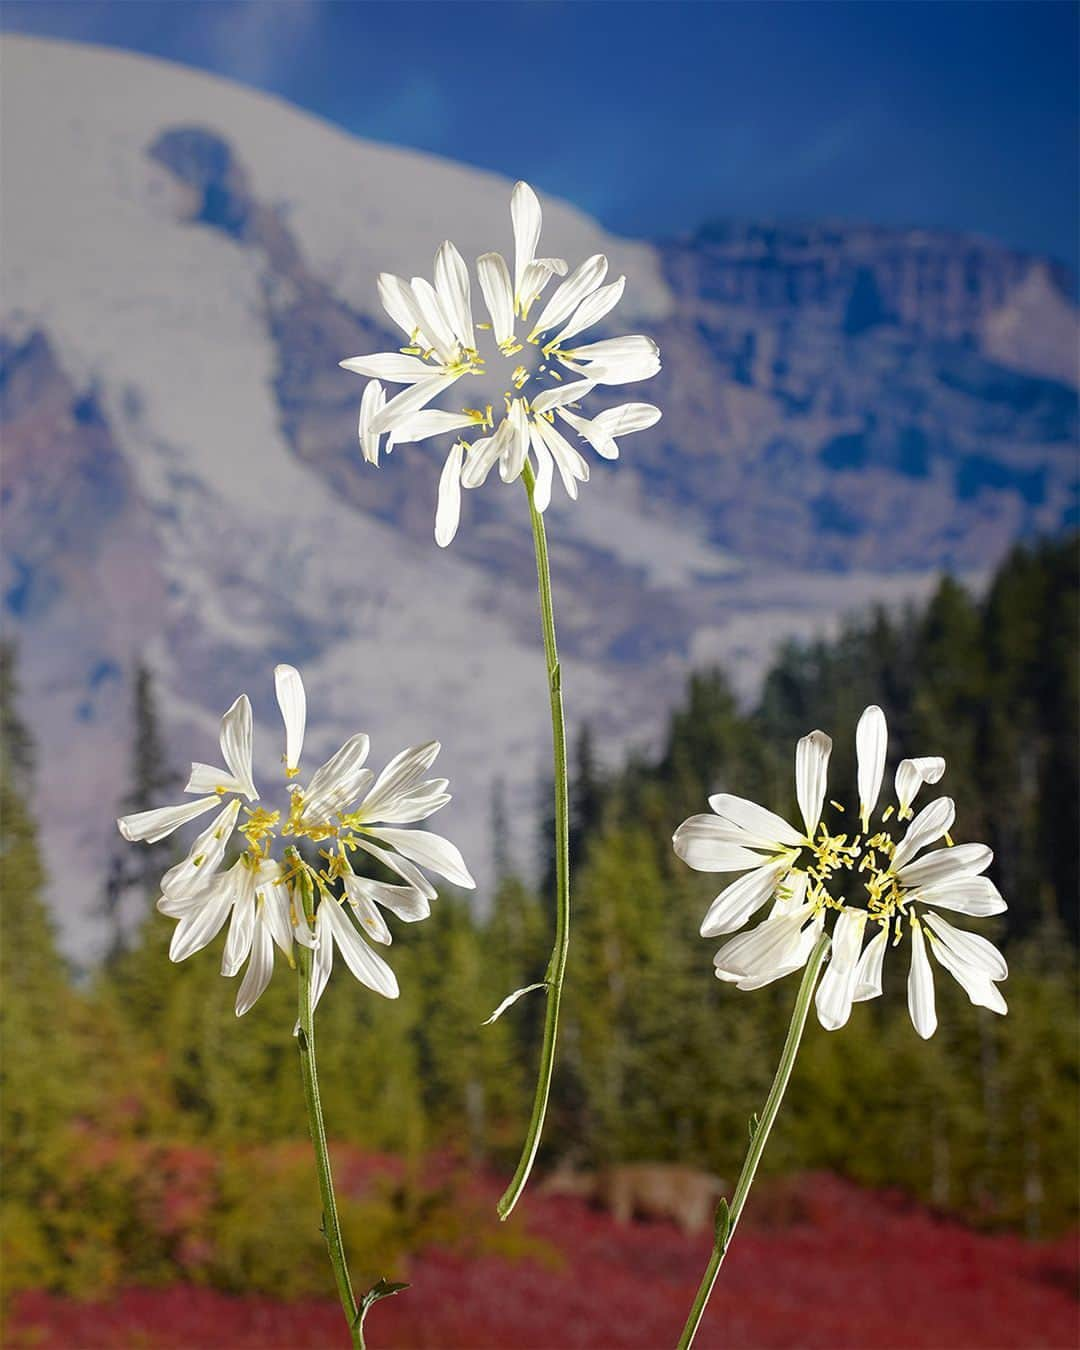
[817, 1263]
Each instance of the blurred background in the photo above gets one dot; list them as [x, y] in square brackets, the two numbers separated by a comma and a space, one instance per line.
[853, 230]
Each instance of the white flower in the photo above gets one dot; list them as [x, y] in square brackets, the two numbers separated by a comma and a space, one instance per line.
[863, 883]
[344, 808]
[442, 349]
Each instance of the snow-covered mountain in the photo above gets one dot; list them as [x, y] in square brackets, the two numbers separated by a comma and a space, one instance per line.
[185, 261]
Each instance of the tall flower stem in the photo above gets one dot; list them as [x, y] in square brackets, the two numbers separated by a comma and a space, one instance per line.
[556, 969]
[728, 1217]
[306, 1037]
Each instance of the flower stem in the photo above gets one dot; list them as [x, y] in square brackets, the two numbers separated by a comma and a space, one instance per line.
[556, 970]
[306, 1037]
[727, 1218]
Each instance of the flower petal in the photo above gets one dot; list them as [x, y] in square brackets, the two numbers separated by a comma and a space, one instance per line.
[452, 285]
[429, 422]
[570, 293]
[545, 469]
[763, 828]
[396, 367]
[627, 417]
[868, 971]
[592, 309]
[765, 952]
[836, 992]
[399, 780]
[291, 699]
[737, 902]
[203, 923]
[929, 825]
[404, 869]
[430, 851]
[322, 956]
[517, 446]
[371, 404]
[242, 927]
[572, 468]
[944, 864]
[498, 295]
[402, 406]
[978, 986]
[969, 948]
[339, 782]
[405, 901]
[560, 395]
[705, 844]
[373, 922]
[811, 777]
[150, 826]
[204, 857]
[911, 774]
[620, 360]
[260, 968]
[236, 744]
[871, 742]
[396, 297]
[976, 896]
[483, 455]
[365, 965]
[448, 511]
[920, 987]
[206, 778]
[526, 217]
[272, 904]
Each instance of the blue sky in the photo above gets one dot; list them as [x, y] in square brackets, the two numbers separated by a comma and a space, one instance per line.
[655, 115]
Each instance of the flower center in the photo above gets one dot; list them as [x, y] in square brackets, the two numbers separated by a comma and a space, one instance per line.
[862, 857]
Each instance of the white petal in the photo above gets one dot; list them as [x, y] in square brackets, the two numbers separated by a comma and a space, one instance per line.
[929, 825]
[811, 777]
[969, 948]
[430, 422]
[764, 829]
[404, 869]
[368, 968]
[836, 991]
[944, 864]
[236, 744]
[978, 986]
[545, 469]
[570, 293]
[291, 699]
[397, 299]
[705, 844]
[483, 455]
[601, 441]
[430, 851]
[572, 468]
[537, 275]
[976, 896]
[764, 951]
[257, 975]
[371, 404]
[399, 780]
[150, 826]
[518, 443]
[373, 922]
[435, 320]
[615, 360]
[203, 924]
[448, 511]
[206, 778]
[393, 366]
[526, 217]
[592, 309]
[272, 905]
[560, 395]
[911, 774]
[205, 855]
[737, 902]
[871, 742]
[498, 294]
[404, 901]
[626, 418]
[795, 956]
[452, 285]
[868, 971]
[322, 958]
[402, 406]
[338, 783]
[920, 987]
[242, 927]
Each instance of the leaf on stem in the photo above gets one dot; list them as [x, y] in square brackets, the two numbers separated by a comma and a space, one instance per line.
[723, 1224]
[754, 1122]
[510, 1000]
[380, 1289]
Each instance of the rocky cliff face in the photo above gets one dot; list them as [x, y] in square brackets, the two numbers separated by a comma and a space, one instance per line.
[846, 410]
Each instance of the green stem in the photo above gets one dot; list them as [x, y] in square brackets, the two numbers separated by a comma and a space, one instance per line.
[727, 1221]
[556, 969]
[306, 1037]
